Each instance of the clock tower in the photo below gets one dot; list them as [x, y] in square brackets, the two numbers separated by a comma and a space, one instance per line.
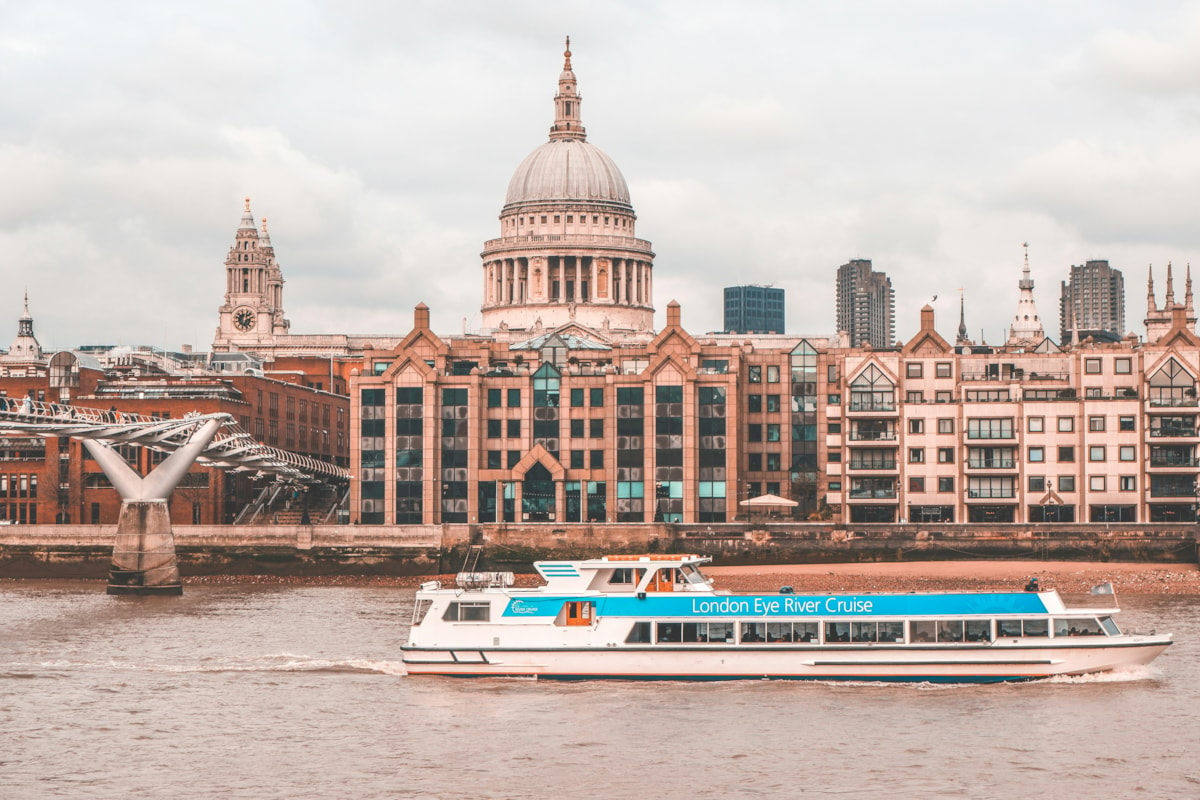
[252, 314]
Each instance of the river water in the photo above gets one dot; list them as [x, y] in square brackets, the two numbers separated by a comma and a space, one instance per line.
[298, 692]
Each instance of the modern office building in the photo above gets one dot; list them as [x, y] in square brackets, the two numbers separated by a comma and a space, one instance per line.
[866, 305]
[1092, 303]
[754, 309]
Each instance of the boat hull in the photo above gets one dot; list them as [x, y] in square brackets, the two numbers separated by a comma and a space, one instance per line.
[991, 663]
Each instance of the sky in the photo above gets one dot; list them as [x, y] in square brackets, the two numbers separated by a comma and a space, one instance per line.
[763, 142]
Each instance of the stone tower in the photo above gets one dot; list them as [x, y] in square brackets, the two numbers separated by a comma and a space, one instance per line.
[252, 314]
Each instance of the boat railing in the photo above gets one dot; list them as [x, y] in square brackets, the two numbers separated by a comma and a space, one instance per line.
[474, 581]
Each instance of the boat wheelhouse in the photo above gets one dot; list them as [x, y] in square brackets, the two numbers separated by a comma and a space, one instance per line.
[658, 617]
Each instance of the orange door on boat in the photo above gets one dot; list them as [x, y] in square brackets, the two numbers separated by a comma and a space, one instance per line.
[579, 612]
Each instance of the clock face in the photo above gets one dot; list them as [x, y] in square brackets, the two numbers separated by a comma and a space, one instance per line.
[243, 319]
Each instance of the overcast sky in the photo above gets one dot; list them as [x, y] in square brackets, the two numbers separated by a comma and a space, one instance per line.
[763, 142]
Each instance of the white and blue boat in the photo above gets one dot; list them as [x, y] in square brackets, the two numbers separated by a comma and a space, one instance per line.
[658, 617]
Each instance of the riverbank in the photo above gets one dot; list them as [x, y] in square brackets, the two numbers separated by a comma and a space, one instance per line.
[1068, 577]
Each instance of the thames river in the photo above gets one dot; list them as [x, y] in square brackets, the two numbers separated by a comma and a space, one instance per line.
[298, 692]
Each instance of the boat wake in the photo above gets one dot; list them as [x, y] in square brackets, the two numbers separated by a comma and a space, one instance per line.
[1124, 675]
[282, 662]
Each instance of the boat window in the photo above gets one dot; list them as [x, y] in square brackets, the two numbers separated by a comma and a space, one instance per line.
[708, 632]
[1035, 627]
[923, 630]
[624, 575]
[950, 630]
[939, 630]
[669, 632]
[754, 632]
[1077, 626]
[805, 632]
[779, 631]
[468, 612]
[979, 630]
[689, 574]
[837, 631]
[864, 631]
[1023, 627]
[420, 610]
[639, 634]
[1008, 627]
[1110, 626]
[720, 631]
[891, 631]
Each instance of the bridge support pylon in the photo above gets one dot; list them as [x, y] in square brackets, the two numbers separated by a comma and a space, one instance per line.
[144, 560]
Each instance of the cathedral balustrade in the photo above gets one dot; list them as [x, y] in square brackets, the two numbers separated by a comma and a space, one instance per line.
[569, 238]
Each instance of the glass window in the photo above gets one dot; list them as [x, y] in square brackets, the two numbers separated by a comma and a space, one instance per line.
[945, 455]
[514, 398]
[493, 398]
[945, 484]
[1096, 483]
[914, 369]
[1036, 424]
[1037, 483]
[755, 373]
[596, 396]
[944, 369]
[1095, 423]
[1091, 366]
[1066, 454]
[1037, 454]
[1066, 483]
[1127, 452]
[1066, 424]
[916, 484]
[1127, 424]
[1096, 453]
[1128, 483]
[576, 398]
[945, 426]
[916, 426]
[773, 404]
[1123, 366]
[916, 455]
[772, 373]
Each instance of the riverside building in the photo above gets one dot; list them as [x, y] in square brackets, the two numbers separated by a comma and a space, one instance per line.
[572, 409]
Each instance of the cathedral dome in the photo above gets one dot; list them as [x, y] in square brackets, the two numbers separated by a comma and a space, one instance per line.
[567, 170]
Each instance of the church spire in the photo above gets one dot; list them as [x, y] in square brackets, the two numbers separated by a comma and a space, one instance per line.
[1151, 302]
[1027, 328]
[567, 124]
[25, 347]
[962, 320]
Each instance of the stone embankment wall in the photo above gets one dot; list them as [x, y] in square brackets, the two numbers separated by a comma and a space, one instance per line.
[85, 550]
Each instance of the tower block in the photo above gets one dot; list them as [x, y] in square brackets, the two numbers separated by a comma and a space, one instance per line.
[144, 560]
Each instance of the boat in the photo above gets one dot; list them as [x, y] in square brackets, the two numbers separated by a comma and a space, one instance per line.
[658, 617]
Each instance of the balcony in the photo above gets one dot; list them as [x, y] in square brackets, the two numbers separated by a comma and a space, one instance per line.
[992, 463]
[1174, 461]
[877, 466]
[873, 406]
[873, 494]
[1172, 432]
[872, 436]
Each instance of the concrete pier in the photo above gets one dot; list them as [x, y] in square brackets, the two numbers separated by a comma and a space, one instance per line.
[143, 559]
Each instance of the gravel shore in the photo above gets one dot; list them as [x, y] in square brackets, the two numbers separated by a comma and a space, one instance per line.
[1068, 577]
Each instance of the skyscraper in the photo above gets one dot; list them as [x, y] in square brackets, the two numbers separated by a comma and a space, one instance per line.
[1092, 302]
[866, 304]
[753, 309]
